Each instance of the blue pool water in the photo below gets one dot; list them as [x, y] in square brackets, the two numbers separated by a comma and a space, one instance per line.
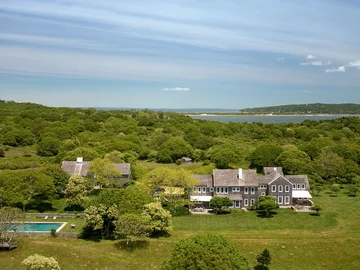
[39, 227]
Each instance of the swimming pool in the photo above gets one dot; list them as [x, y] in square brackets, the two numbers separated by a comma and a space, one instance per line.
[41, 226]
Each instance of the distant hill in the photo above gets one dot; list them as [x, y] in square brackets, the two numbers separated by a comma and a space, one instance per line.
[315, 108]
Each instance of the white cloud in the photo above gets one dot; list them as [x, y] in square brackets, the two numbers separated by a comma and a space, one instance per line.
[281, 60]
[315, 63]
[339, 69]
[354, 64]
[310, 56]
[176, 89]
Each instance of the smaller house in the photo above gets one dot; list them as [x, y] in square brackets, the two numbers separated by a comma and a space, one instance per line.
[186, 160]
[81, 167]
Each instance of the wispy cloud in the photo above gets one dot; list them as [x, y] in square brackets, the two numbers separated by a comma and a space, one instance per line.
[281, 60]
[354, 64]
[316, 63]
[310, 56]
[332, 70]
[176, 89]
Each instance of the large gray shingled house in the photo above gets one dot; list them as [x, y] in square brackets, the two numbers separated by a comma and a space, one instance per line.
[81, 167]
[244, 187]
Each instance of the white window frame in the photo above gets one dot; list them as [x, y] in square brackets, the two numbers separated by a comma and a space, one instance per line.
[199, 190]
[226, 190]
[252, 201]
[280, 200]
[294, 186]
[252, 190]
[203, 190]
[246, 190]
[287, 199]
[211, 189]
[298, 186]
[287, 188]
[246, 202]
[218, 190]
[280, 188]
[262, 187]
[273, 188]
[263, 194]
[235, 189]
[237, 204]
[302, 186]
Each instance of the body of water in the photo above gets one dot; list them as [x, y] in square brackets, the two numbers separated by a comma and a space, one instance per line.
[267, 119]
[41, 226]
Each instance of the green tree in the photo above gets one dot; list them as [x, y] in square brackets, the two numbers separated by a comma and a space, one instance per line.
[352, 190]
[329, 165]
[295, 162]
[176, 148]
[206, 252]
[335, 188]
[76, 191]
[220, 204]
[39, 262]
[11, 220]
[317, 208]
[267, 204]
[131, 227]
[59, 176]
[265, 156]
[264, 260]
[104, 171]
[48, 147]
[317, 189]
[160, 219]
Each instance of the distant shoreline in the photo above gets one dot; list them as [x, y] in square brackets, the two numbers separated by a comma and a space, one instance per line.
[269, 115]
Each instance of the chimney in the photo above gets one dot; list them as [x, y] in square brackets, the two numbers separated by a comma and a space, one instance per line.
[79, 160]
[240, 176]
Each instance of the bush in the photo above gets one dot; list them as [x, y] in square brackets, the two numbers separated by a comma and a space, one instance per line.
[53, 233]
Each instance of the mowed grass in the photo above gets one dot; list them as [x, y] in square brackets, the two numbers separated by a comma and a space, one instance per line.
[295, 240]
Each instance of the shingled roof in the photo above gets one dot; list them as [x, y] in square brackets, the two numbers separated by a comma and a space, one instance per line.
[82, 168]
[298, 179]
[204, 179]
[229, 178]
[269, 170]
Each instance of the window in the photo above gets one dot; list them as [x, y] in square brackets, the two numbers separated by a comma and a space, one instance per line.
[237, 204]
[234, 189]
[303, 186]
[199, 189]
[204, 189]
[287, 188]
[273, 188]
[294, 186]
[211, 189]
[246, 190]
[280, 188]
[252, 190]
[222, 190]
[217, 190]
[287, 199]
[246, 202]
[226, 190]
[298, 186]
[262, 193]
[252, 201]
[262, 187]
[280, 200]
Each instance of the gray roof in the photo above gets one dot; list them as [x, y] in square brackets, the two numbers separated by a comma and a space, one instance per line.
[267, 178]
[269, 170]
[204, 179]
[229, 178]
[82, 168]
[298, 179]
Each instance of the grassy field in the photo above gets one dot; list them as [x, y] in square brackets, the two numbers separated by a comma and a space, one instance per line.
[295, 240]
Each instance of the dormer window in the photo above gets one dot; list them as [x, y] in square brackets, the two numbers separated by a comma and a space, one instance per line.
[246, 190]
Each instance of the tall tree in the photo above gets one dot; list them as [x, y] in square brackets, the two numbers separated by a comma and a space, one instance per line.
[76, 191]
[104, 171]
[264, 260]
[206, 252]
[131, 227]
[160, 219]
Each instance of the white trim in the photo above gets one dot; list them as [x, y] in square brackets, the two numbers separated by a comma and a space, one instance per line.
[298, 186]
[287, 199]
[204, 190]
[235, 189]
[304, 194]
[273, 188]
[252, 190]
[280, 188]
[279, 178]
[246, 190]
[263, 194]
[200, 198]
[211, 189]
[238, 204]
[294, 186]
[280, 200]
[246, 202]
[287, 188]
[252, 201]
[302, 186]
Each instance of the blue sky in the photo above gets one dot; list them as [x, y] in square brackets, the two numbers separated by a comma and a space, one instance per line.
[179, 54]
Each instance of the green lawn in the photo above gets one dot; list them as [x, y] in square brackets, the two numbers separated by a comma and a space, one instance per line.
[295, 240]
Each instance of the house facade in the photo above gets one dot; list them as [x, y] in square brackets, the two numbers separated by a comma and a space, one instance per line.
[81, 167]
[244, 187]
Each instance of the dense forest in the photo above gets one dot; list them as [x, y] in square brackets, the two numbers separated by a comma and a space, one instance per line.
[316, 108]
[35, 139]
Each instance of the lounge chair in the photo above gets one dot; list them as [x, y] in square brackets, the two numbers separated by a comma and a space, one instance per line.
[46, 217]
[54, 217]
